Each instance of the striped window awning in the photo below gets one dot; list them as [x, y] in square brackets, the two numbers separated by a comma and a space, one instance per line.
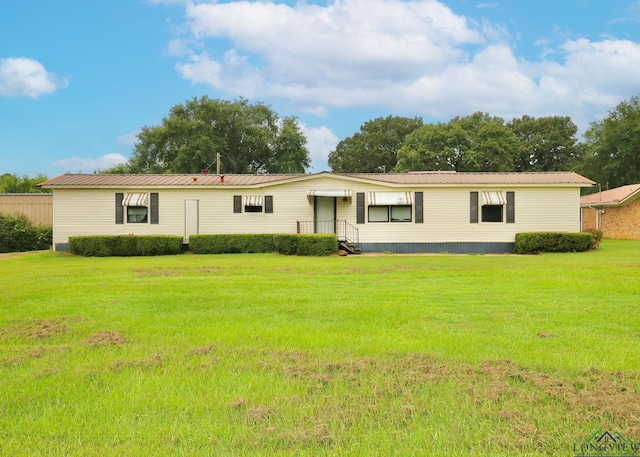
[493, 198]
[135, 199]
[389, 198]
[253, 200]
[346, 193]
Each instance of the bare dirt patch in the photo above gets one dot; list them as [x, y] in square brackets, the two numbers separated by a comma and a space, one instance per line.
[202, 350]
[40, 328]
[106, 339]
[156, 361]
[41, 351]
[154, 272]
[597, 395]
[522, 405]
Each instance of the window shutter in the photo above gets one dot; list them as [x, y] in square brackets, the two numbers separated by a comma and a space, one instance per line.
[268, 203]
[237, 203]
[473, 217]
[511, 208]
[360, 208]
[153, 208]
[119, 208]
[419, 208]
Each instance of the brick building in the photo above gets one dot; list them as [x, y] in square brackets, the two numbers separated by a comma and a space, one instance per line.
[616, 212]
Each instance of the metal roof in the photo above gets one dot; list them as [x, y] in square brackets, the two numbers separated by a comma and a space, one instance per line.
[437, 177]
[256, 180]
[612, 197]
[164, 180]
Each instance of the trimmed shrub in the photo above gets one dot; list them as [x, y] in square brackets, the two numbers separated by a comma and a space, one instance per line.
[158, 245]
[287, 244]
[125, 245]
[18, 234]
[231, 244]
[536, 242]
[316, 245]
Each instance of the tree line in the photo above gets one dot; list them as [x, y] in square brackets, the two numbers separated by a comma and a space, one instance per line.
[14, 184]
[476, 143]
[253, 138]
[609, 154]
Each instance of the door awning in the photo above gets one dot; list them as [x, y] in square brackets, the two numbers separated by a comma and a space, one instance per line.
[389, 198]
[493, 198]
[134, 199]
[252, 200]
[346, 193]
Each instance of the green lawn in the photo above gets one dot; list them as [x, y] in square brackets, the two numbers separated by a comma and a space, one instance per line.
[273, 355]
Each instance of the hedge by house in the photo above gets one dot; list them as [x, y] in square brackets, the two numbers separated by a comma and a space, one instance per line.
[536, 242]
[231, 244]
[125, 245]
[309, 245]
[19, 234]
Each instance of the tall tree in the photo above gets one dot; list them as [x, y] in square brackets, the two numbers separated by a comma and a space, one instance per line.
[251, 138]
[478, 142]
[546, 143]
[14, 184]
[613, 147]
[374, 149]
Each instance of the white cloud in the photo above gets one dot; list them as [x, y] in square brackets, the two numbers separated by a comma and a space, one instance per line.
[89, 164]
[412, 57]
[308, 50]
[178, 47]
[320, 142]
[128, 139]
[25, 77]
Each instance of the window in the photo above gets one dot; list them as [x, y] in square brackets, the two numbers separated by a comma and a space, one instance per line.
[491, 213]
[493, 207]
[378, 214]
[252, 203]
[137, 214]
[389, 206]
[139, 208]
[400, 213]
[492, 204]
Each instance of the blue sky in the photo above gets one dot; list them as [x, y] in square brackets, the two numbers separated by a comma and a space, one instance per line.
[79, 78]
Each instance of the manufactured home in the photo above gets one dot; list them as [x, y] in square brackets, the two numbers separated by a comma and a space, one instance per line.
[407, 212]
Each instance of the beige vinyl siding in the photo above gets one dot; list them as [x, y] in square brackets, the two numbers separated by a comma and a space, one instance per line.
[37, 207]
[92, 212]
[446, 216]
[446, 211]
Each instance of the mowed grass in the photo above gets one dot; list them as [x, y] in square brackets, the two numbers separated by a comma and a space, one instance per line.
[271, 355]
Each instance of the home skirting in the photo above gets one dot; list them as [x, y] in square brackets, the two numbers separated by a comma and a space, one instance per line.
[451, 248]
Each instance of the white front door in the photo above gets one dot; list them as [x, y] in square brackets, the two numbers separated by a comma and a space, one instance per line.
[325, 214]
[191, 218]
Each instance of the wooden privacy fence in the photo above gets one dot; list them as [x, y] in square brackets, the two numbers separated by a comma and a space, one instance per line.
[37, 207]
